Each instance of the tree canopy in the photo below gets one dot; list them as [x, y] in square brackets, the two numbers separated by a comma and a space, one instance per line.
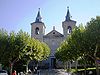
[15, 46]
[84, 42]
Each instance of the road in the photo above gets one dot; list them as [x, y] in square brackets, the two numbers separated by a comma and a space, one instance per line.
[53, 72]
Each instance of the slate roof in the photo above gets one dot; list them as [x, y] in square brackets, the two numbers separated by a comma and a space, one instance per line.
[38, 18]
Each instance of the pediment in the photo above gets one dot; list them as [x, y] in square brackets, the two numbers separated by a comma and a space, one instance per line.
[54, 33]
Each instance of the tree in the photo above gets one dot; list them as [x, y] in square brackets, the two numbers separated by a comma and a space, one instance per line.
[71, 49]
[3, 43]
[15, 46]
[85, 43]
[62, 53]
[36, 50]
[16, 43]
[46, 51]
[92, 35]
[75, 43]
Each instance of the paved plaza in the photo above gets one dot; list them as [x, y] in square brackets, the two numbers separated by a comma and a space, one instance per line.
[53, 72]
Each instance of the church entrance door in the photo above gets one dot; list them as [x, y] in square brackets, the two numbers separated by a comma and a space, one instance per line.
[53, 63]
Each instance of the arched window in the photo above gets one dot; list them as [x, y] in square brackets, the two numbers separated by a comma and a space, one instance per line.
[69, 29]
[37, 30]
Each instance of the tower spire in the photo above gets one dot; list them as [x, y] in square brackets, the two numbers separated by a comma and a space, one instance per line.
[38, 18]
[68, 16]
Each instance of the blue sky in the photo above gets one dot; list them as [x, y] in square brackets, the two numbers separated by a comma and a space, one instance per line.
[18, 14]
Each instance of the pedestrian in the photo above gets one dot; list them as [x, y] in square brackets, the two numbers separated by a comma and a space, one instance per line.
[14, 73]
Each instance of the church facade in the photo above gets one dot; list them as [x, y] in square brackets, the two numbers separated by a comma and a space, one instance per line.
[54, 38]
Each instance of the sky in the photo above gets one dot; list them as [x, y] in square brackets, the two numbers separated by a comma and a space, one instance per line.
[19, 14]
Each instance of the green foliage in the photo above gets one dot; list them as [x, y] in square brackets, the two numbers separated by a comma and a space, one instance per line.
[83, 44]
[93, 35]
[61, 52]
[3, 44]
[15, 46]
[70, 49]
[46, 50]
[36, 50]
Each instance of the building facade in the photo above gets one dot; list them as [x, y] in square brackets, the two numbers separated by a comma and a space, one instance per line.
[54, 38]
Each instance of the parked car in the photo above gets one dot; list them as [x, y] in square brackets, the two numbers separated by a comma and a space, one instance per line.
[3, 72]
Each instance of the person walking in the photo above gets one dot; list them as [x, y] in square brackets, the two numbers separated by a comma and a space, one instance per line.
[14, 73]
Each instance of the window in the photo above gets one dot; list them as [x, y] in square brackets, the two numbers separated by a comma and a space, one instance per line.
[69, 30]
[37, 31]
[53, 32]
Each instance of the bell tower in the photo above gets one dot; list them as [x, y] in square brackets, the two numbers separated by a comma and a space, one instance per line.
[38, 28]
[68, 24]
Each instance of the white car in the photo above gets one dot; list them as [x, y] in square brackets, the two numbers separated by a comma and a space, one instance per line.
[3, 72]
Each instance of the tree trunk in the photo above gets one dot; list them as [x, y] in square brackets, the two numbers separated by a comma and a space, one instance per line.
[11, 67]
[76, 64]
[97, 69]
[70, 65]
[0, 66]
[96, 64]
[64, 65]
[85, 68]
[27, 66]
[67, 65]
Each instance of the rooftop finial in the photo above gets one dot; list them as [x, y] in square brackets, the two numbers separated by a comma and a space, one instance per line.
[68, 7]
[39, 9]
[53, 27]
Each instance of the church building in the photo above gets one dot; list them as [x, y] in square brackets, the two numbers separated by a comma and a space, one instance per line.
[54, 38]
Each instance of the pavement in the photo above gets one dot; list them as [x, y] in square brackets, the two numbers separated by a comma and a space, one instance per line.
[53, 72]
